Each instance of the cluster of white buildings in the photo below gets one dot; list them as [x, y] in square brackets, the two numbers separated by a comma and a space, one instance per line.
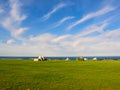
[94, 59]
[40, 58]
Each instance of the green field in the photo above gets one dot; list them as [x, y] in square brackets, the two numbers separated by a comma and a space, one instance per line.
[59, 75]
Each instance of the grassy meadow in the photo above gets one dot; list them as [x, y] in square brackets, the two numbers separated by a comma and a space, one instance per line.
[59, 75]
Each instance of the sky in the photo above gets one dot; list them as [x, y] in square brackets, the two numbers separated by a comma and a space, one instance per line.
[59, 27]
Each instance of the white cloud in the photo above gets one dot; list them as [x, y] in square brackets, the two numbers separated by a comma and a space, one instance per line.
[92, 15]
[63, 20]
[48, 44]
[113, 33]
[13, 21]
[19, 31]
[55, 9]
[107, 43]
[93, 28]
[15, 11]
[61, 38]
[42, 38]
[10, 41]
[1, 10]
[67, 45]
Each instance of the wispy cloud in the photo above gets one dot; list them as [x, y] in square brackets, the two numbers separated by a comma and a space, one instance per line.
[105, 44]
[19, 31]
[61, 38]
[14, 19]
[93, 28]
[55, 9]
[40, 38]
[112, 34]
[71, 45]
[79, 43]
[1, 10]
[63, 20]
[92, 15]
[10, 41]
[15, 11]
[83, 43]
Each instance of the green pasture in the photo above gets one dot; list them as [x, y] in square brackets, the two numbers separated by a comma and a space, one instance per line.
[59, 75]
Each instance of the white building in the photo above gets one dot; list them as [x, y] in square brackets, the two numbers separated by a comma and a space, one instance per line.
[36, 59]
[67, 59]
[94, 58]
[40, 58]
[85, 59]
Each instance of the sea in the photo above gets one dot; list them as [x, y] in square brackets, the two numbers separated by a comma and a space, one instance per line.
[59, 57]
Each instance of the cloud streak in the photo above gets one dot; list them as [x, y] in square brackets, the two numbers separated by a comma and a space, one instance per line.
[10, 41]
[106, 43]
[91, 15]
[1, 10]
[79, 43]
[63, 20]
[102, 37]
[94, 28]
[13, 21]
[55, 9]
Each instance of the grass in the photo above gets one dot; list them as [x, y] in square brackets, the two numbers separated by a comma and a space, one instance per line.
[59, 75]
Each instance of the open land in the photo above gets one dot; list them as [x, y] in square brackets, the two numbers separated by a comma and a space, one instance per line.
[59, 75]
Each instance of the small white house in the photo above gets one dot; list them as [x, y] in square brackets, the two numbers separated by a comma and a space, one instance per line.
[67, 59]
[40, 58]
[36, 59]
[85, 59]
[94, 58]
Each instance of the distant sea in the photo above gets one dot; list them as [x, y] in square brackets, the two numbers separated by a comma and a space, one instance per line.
[59, 58]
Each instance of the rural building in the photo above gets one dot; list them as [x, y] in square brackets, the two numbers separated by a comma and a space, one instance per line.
[40, 58]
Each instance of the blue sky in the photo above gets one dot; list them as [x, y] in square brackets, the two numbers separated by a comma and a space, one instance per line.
[59, 27]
